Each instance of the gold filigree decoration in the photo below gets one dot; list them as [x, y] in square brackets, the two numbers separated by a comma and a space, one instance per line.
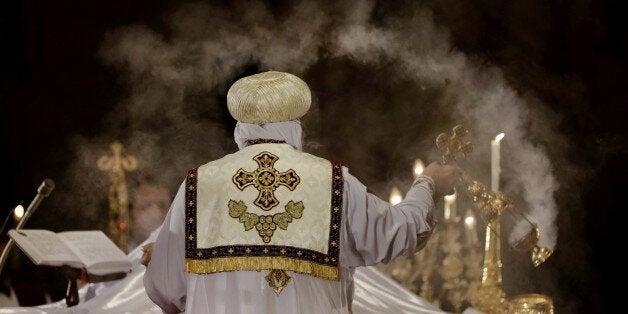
[266, 179]
[277, 279]
[531, 303]
[236, 263]
[455, 144]
[263, 141]
[491, 204]
[265, 224]
[540, 255]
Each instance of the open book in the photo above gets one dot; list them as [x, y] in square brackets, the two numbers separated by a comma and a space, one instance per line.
[91, 250]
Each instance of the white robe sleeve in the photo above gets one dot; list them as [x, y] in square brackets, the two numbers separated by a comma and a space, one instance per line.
[376, 231]
[165, 280]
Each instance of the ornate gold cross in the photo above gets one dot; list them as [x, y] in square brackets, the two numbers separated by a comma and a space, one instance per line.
[116, 165]
[454, 145]
[266, 179]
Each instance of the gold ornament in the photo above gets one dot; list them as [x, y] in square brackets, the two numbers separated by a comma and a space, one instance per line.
[540, 255]
[266, 179]
[454, 144]
[277, 279]
[531, 304]
[529, 242]
[265, 224]
[117, 165]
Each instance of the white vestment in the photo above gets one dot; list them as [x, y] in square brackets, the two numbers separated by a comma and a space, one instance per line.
[373, 231]
[375, 293]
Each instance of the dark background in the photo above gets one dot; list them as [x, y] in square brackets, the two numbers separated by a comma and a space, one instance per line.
[572, 54]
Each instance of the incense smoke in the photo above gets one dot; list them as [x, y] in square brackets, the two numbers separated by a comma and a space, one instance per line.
[383, 87]
[208, 46]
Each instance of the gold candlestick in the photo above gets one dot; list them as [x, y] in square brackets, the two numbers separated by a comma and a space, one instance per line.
[491, 204]
[531, 304]
[492, 268]
[116, 165]
[489, 298]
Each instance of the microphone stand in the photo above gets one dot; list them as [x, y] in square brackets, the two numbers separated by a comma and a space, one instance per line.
[42, 192]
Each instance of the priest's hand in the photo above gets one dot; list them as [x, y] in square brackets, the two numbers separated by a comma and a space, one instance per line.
[148, 251]
[445, 177]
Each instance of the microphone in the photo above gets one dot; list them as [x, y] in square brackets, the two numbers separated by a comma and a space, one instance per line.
[46, 187]
[43, 191]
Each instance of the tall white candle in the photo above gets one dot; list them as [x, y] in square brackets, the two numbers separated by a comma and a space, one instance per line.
[450, 206]
[495, 162]
[469, 223]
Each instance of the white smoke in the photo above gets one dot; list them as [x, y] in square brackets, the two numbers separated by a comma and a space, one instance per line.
[175, 80]
[481, 96]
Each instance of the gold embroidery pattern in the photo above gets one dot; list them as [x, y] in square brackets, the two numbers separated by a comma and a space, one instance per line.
[266, 179]
[265, 224]
[277, 279]
[263, 141]
[260, 261]
[322, 265]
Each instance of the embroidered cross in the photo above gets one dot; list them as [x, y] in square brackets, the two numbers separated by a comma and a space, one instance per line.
[454, 145]
[266, 179]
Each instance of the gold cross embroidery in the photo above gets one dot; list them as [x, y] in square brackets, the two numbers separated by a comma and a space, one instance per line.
[266, 179]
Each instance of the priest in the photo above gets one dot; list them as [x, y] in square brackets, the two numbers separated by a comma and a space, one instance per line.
[272, 229]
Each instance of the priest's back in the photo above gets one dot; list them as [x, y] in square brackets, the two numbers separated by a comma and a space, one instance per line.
[271, 229]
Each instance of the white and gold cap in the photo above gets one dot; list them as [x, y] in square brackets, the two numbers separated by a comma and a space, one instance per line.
[269, 97]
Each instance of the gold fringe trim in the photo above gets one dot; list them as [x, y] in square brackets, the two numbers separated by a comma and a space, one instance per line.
[223, 264]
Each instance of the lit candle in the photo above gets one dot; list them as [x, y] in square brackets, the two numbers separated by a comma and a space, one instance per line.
[395, 196]
[469, 224]
[419, 166]
[18, 212]
[450, 206]
[495, 162]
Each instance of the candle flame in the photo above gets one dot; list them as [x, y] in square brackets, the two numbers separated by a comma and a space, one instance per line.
[499, 137]
[419, 166]
[470, 221]
[395, 196]
[18, 211]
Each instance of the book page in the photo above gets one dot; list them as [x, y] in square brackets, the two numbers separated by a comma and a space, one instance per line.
[95, 249]
[44, 247]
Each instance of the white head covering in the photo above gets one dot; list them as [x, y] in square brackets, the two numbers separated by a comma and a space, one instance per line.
[289, 131]
[268, 97]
